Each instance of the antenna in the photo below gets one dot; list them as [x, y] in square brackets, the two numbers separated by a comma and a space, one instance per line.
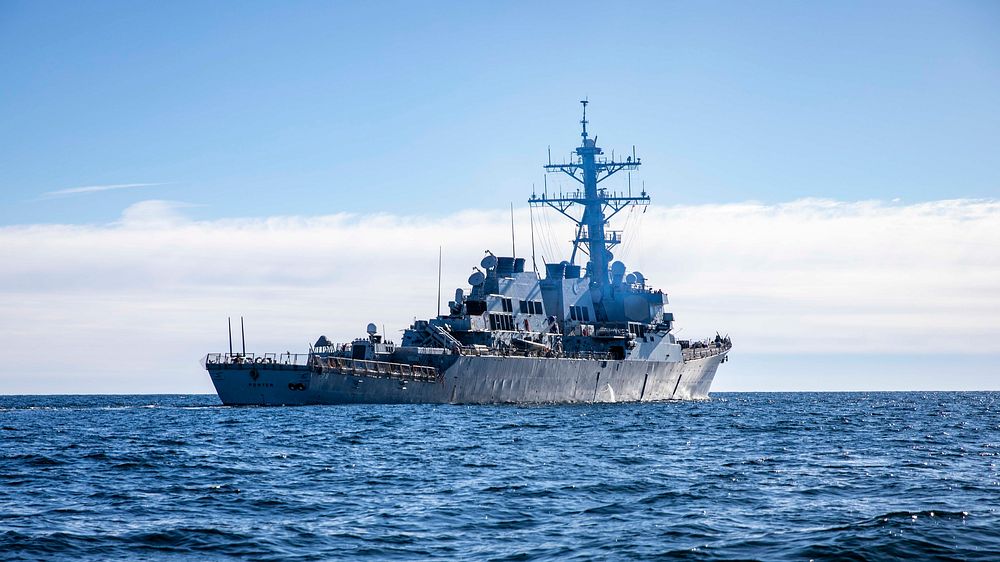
[584, 120]
[513, 250]
[243, 337]
[229, 320]
[439, 281]
[531, 217]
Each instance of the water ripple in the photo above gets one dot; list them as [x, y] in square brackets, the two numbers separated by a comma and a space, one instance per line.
[853, 476]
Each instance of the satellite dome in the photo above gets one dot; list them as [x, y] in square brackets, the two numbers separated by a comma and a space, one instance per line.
[489, 262]
[630, 278]
[476, 279]
[372, 328]
[618, 269]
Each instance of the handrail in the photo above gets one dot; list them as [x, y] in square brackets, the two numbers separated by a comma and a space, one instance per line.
[339, 364]
[707, 351]
[362, 367]
[405, 370]
[301, 359]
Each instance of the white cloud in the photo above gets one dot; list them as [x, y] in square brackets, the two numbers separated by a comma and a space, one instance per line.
[154, 213]
[131, 306]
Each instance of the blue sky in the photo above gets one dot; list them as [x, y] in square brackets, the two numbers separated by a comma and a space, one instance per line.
[283, 108]
[810, 149]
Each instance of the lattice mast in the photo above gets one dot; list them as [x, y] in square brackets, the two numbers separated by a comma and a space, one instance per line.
[599, 206]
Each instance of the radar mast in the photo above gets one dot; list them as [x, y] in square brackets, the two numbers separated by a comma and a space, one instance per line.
[588, 167]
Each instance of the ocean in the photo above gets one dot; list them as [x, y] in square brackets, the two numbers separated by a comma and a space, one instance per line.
[765, 476]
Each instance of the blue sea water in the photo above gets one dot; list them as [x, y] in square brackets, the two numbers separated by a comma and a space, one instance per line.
[798, 476]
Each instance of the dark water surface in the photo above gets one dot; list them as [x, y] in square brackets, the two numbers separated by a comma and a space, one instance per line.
[762, 476]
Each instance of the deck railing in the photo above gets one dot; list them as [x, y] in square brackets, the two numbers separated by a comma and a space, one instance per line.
[300, 359]
[706, 351]
[342, 365]
[364, 367]
[404, 370]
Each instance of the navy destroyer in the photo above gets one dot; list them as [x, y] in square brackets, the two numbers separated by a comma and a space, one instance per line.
[584, 333]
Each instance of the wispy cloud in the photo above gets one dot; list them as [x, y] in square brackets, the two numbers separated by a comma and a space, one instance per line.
[94, 189]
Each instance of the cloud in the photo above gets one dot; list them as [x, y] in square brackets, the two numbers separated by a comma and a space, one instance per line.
[132, 305]
[94, 189]
[153, 213]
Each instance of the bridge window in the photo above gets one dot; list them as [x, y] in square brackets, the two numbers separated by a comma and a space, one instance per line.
[501, 322]
[531, 307]
[508, 305]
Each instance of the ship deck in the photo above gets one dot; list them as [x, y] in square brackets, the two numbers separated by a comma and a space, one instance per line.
[308, 361]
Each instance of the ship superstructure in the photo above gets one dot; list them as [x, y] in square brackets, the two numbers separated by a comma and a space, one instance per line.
[584, 333]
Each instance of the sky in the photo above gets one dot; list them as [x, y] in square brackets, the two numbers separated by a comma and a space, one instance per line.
[824, 177]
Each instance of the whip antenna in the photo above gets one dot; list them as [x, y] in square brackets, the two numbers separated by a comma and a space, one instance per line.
[531, 218]
[513, 250]
[439, 281]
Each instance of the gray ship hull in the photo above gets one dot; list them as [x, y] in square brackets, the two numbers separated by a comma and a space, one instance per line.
[472, 380]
